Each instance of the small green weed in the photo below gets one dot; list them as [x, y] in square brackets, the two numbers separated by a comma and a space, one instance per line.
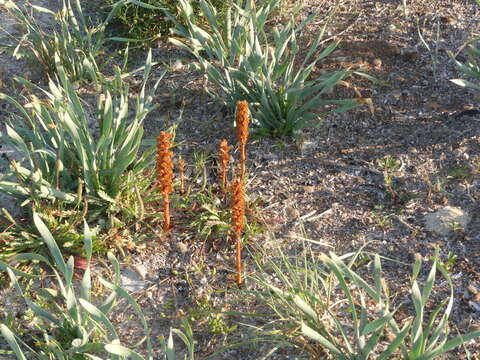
[206, 313]
[383, 221]
[450, 261]
[390, 165]
[471, 68]
[460, 172]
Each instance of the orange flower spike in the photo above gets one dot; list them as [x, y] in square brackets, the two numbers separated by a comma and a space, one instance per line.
[165, 174]
[224, 160]
[242, 122]
[238, 222]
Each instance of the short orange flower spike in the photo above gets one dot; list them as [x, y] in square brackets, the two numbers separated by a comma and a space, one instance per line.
[224, 160]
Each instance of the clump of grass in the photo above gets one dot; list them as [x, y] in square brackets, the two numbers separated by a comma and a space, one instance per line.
[64, 158]
[146, 21]
[66, 324]
[326, 306]
[75, 41]
[248, 60]
[165, 174]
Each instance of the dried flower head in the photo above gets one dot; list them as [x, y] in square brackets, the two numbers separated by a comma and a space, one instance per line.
[224, 160]
[242, 121]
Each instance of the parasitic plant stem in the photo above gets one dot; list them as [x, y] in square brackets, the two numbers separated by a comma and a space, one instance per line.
[238, 222]
[224, 160]
[165, 174]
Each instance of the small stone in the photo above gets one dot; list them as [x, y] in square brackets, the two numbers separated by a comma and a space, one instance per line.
[131, 281]
[292, 212]
[141, 270]
[473, 289]
[181, 247]
[432, 106]
[377, 63]
[396, 94]
[309, 189]
[475, 306]
[447, 219]
[177, 65]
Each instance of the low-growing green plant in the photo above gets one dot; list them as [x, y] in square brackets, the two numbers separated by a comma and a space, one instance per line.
[67, 325]
[75, 42]
[65, 158]
[215, 321]
[245, 61]
[323, 306]
[471, 68]
[147, 23]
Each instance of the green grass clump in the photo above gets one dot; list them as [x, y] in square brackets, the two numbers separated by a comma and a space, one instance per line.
[74, 40]
[65, 158]
[148, 22]
[338, 309]
[66, 323]
[471, 68]
[246, 59]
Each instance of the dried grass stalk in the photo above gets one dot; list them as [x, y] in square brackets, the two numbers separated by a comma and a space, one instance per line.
[181, 169]
[165, 174]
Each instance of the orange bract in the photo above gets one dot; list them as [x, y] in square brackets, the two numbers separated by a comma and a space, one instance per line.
[242, 120]
[238, 207]
[224, 160]
[238, 223]
[165, 174]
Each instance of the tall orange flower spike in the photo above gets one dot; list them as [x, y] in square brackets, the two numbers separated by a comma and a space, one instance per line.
[242, 122]
[224, 160]
[238, 223]
[165, 174]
